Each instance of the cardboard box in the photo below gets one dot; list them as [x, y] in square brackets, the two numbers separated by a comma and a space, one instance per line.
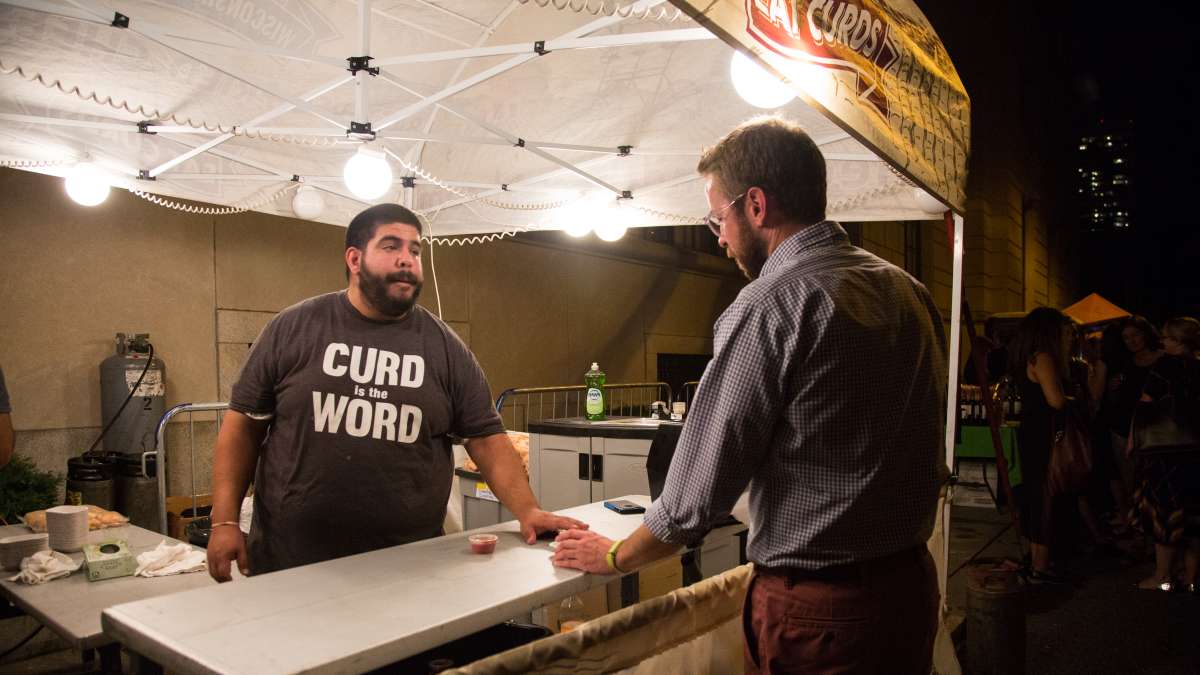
[109, 560]
[660, 578]
[176, 521]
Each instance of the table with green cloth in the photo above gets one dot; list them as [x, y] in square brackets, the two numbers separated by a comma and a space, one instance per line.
[976, 443]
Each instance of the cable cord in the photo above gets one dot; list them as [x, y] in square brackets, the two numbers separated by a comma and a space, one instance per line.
[250, 205]
[21, 643]
[132, 390]
[596, 9]
[157, 115]
[466, 240]
[437, 294]
[34, 163]
[673, 217]
[510, 206]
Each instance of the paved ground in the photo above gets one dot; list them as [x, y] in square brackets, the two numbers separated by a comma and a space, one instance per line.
[1098, 624]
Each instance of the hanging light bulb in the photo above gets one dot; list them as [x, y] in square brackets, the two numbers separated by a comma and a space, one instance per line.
[578, 227]
[308, 203]
[610, 228]
[757, 86]
[583, 215]
[367, 174]
[86, 184]
[614, 219]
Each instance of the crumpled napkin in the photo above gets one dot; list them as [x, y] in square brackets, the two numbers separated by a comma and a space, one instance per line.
[170, 559]
[45, 566]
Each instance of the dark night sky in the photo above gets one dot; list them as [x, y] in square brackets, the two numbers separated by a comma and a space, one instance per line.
[1061, 66]
[1138, 61]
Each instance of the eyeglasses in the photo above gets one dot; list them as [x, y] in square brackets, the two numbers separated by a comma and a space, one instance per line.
[712, 219]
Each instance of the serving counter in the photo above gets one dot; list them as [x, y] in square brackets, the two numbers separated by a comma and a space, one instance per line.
[360, 612]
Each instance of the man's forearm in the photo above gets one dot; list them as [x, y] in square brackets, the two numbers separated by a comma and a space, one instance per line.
[501, 467]
[641, 549]
[234, 460]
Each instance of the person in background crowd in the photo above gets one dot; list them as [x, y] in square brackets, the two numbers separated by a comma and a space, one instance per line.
[1080, 386]
[1040, 369]
[1106, 371]
[6, 428]
[1167, 499]
[843, 491]
[1143, 348]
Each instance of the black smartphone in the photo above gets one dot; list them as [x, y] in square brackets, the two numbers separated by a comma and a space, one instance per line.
[624, 506]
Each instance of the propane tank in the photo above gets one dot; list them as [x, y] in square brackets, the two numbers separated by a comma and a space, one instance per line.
[134, 431]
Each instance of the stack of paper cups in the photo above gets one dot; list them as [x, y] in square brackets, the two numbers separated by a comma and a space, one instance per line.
[17, 548]
[68, 527]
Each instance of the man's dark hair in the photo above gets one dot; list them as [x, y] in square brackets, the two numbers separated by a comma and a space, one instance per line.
[363, 227]
[777, 156]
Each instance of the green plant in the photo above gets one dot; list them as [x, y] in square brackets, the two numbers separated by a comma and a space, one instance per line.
[25, 488]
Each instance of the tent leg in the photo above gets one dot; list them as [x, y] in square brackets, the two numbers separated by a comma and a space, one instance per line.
[956, 299]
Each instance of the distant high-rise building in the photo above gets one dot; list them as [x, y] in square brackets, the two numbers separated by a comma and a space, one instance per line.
[1105, 181]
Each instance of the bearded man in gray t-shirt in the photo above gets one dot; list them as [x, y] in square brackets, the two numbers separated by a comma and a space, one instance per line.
[362, 392]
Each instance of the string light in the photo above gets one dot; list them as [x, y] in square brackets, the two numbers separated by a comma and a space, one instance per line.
[86, 184]
[308, 203]
[757, 86]
[367, 174]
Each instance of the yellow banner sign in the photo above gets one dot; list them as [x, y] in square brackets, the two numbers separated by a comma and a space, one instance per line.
[876, 67]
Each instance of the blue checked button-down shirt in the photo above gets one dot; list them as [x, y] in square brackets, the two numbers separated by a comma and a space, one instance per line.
[826, 395]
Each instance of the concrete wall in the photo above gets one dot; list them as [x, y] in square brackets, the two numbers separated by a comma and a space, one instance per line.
[1020, 226]
[536, 311]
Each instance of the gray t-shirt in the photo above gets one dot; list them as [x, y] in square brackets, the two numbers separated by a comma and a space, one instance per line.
[358, 454]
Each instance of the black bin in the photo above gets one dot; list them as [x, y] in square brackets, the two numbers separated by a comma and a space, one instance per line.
[462, 651]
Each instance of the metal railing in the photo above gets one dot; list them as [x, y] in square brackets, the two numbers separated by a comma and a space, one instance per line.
[518, 407]
[160, 450]
[688, 392]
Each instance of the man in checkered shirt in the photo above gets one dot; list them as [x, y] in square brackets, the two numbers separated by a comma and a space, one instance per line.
[825, 395]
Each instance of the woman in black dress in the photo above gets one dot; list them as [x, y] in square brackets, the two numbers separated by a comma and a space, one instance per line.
[1166, 503]
[1039, 368]
[1143, 346]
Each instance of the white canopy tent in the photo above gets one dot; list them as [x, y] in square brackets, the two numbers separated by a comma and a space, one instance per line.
[496, 116]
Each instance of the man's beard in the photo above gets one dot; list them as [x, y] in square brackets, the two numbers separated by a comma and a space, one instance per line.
[375, 288]
[754, 254]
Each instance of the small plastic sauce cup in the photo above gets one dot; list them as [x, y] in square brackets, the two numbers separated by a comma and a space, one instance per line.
[483, 543]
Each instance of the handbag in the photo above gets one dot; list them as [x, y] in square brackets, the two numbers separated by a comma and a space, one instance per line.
[1167, 423]
[1070, 463]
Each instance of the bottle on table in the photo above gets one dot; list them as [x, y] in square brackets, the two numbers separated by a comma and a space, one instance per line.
[594, 398]
[570, 614]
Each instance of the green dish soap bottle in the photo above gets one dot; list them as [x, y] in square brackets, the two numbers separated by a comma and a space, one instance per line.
[594, 398]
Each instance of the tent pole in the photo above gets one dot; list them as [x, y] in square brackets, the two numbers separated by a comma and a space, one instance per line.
[272, 114]
[956, 295]
[505, 66]
[364, 49]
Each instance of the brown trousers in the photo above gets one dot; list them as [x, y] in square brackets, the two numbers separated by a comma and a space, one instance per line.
[873, 617]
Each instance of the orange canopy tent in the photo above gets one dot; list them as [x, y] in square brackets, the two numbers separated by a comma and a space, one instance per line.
[1094, 309]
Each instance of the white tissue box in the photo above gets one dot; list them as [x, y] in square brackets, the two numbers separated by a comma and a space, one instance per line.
[108, 560]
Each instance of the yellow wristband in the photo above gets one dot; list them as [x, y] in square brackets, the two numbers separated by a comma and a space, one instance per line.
[611, 557]
[226, 523]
